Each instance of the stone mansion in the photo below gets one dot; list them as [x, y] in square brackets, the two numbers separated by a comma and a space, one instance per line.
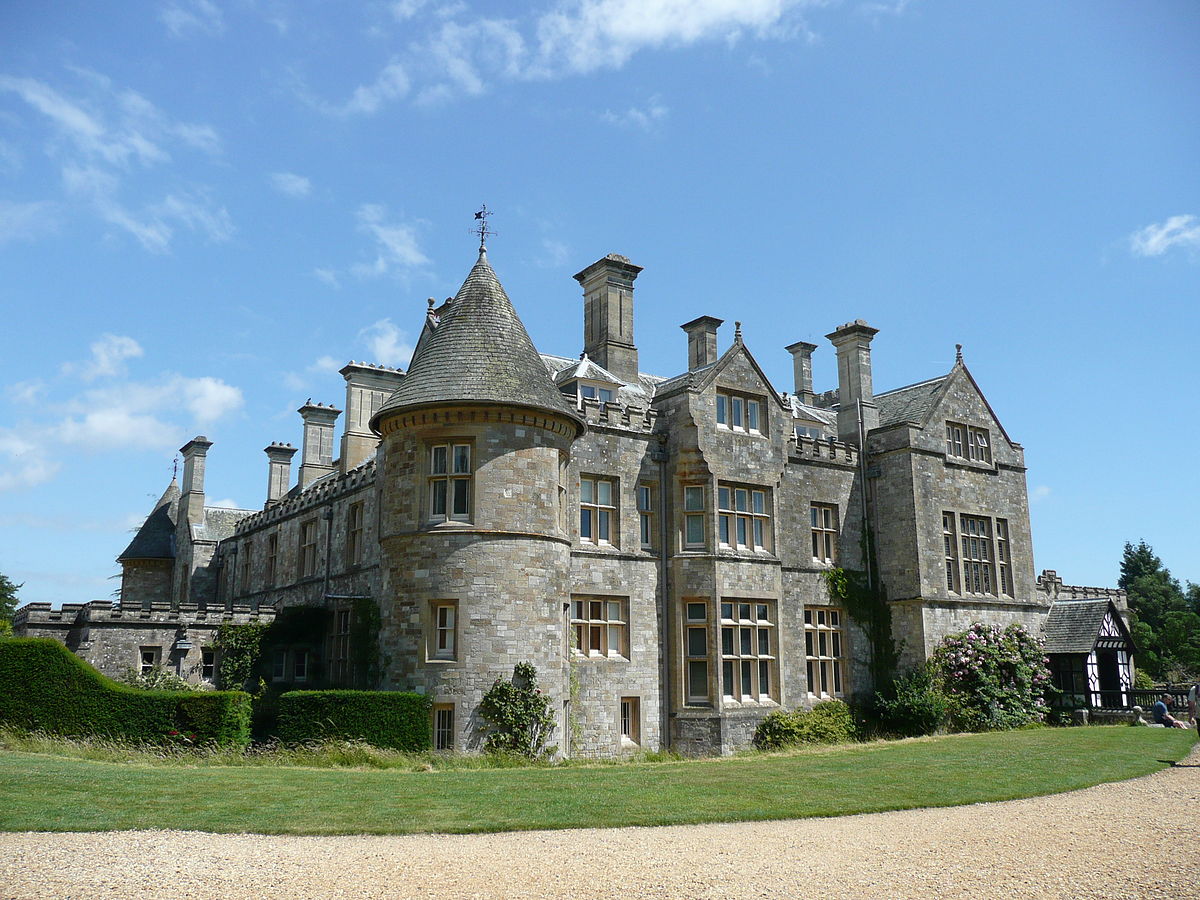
[658, 547]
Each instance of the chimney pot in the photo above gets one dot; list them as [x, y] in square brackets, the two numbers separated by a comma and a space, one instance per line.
[702, 341]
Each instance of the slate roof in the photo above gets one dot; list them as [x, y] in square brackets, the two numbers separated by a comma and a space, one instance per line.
[1074, 625]
[812, 413]
[480, 352]
[219, 523]
[909, 404]
[628, 393]
[156, 538]
[586, 369]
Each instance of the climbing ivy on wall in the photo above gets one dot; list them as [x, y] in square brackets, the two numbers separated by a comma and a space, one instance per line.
[240, 649]
[365, 662]
[865, 602]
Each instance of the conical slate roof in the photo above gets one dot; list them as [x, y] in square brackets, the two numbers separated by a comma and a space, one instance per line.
[156, 538]
[478, 352]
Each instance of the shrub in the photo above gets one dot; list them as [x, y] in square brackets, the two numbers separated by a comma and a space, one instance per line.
[43, 686]
[157, 679]
[390, 719]
[1142, 681]
[992, 678]
[914, 705]
[518, 715]
[829, 722]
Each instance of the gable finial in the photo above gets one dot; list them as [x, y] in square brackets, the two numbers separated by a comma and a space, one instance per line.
[737, 331]
[958, 353]
[481, 228]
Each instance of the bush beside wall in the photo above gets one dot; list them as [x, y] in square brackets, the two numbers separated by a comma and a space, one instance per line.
[45, 687]
[829, 722]
[392, 719]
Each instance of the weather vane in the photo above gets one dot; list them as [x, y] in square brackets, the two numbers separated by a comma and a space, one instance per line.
[481, 228]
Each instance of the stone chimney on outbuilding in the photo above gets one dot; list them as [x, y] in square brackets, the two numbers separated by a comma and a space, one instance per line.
[191, 501]
[608, 315]
[702, 341]
[853, 343]
[802, 352]
[316, 458]
[279, 471]
[367, 388]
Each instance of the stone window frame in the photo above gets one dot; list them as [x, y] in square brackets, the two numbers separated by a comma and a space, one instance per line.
[694, 514]
[596, 622]
[272, 565]
[629, 721]
[825, 651]
[695, 646]
[442, 632]
[208, 664]
[647, 493]
[749, 641]
[450, 473]
[1003, 558]
[595, 513]
[306, 559]
[950, 550]
[740, 412]
[247, 567]
[824, 528]
[442, 726]
[744, 517]
[809, 430]
[149, 658]
[339, 645]
[301, 664]
[978, 554]
[279, 668]
[969, 442]
[355, 532]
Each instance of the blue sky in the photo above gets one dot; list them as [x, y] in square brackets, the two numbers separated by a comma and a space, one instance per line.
[206, 208]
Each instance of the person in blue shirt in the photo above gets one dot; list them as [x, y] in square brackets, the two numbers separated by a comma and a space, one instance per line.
[1162, 716]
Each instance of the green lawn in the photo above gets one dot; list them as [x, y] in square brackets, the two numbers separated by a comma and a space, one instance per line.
[51, 793]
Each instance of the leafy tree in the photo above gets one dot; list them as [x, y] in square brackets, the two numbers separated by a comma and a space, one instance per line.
[1165, 617]
[8, 603]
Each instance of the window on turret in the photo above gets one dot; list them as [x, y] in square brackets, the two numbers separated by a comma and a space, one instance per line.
[443, 631]
[450, 476]
[738, 413]
[968, 442]
[598, 510]
[743, 517]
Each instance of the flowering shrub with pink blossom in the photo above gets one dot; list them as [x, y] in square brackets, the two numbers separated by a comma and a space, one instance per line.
[993, 678]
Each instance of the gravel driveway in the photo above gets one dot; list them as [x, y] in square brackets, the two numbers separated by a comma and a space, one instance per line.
[1134, 839]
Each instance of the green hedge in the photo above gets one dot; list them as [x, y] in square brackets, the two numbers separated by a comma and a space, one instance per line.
[381, 718]
[829, 722]
[45, 687]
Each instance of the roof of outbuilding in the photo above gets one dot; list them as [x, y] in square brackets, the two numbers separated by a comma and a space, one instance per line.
[156, 538]
[478, 352]
[1074, 625]
[912, 403]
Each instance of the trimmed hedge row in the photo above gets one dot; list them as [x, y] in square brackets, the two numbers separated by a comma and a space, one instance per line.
[381, 718]
[45, 687]
[828, 722]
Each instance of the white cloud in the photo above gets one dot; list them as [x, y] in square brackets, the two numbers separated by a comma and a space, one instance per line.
[387, 344]
[207, 398]
[644, 118]
[1041, 492]
[325, 364]
[113, 427]
[1177, 231]
[27, 393]
[101, 137]
[391, 84]
[109, 353]
[395, 244]
[23, 463]
[192, 16]
[290, 184]
[27, 221]
[554, 254]
[328, 276]
[225, 503]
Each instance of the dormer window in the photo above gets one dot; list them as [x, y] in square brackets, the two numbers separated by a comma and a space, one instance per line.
[739, 413]
[968, 442]
[594, 392]
[579, 391]
[809, 430]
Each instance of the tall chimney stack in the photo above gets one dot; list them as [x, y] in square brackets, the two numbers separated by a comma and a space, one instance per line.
[853, 343]
[367, 388]
[608, 315]
[316, 459]
[702, 341]
[191, 503]
[802, 352]
[279, 471]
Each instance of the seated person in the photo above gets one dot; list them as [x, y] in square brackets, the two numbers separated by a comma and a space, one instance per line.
[1162, 716]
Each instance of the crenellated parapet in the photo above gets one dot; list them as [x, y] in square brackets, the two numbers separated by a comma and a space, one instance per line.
[1051, 586]
[324, 491]
[34, 616]
[829, 451]
[616, 415]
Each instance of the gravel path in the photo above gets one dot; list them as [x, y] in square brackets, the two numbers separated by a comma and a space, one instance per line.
[1134, 839]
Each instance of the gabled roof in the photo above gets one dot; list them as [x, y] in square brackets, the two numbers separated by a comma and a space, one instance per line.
[587, 370]
[912, 403]
[478, 352]
[1073, 626]
[156, 538]
[812, 413]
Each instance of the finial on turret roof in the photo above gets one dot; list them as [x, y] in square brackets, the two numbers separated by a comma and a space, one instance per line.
[737, 331]
[958, 353]
[175, 468]
[481, 228]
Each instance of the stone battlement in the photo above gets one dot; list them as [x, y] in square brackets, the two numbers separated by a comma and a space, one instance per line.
[616, 415]
[159, 612]
[831, 450]
[1052, 586]
[324, 491]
